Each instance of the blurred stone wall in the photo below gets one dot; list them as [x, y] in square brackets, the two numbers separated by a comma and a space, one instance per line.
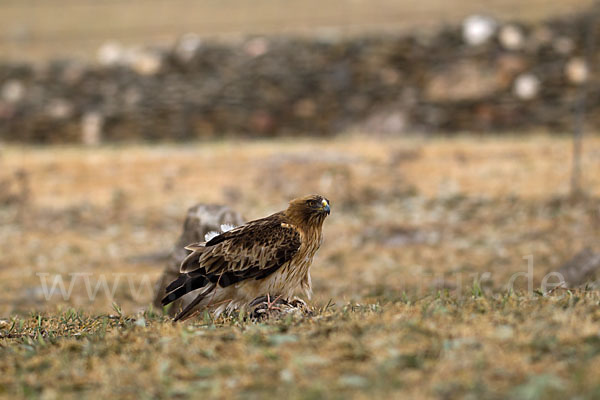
[481, 76]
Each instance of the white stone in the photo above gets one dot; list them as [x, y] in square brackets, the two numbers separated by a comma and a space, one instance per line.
[145, 62]
[187, 46]
[511, 37]
[526, 86]
[478, 29]
[13, 91]
[110, 54]
[576, 70]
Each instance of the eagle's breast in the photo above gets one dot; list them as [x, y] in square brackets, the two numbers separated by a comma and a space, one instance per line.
[298, 270]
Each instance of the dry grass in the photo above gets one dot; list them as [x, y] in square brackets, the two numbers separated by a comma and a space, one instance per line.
[402, 303]
[432, 348]
[43, 29]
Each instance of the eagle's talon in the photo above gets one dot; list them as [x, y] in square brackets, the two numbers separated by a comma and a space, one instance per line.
[266, 306]
[267, 300]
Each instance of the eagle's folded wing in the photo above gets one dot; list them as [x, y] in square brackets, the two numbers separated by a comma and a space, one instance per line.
[251, 251]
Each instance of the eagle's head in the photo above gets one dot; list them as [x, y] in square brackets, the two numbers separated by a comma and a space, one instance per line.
[310, 210]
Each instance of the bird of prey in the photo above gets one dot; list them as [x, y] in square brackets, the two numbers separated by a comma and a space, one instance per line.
[269, 257]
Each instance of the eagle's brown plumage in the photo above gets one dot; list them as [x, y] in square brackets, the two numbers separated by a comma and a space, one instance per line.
[268, 256]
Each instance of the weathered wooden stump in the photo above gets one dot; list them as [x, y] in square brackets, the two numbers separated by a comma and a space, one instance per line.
[200, 220]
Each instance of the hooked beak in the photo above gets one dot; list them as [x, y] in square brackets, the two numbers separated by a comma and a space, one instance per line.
[325, 207]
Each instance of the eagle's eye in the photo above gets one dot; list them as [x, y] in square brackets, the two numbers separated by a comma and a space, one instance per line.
[313, 203]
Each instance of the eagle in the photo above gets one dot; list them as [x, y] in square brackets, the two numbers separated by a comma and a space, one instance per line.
[268, 257]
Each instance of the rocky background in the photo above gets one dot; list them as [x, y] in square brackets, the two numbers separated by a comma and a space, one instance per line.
[480, 76]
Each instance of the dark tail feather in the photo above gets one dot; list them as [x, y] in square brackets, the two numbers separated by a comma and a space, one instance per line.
[182, 286]
[189, 309]
[180, 281]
